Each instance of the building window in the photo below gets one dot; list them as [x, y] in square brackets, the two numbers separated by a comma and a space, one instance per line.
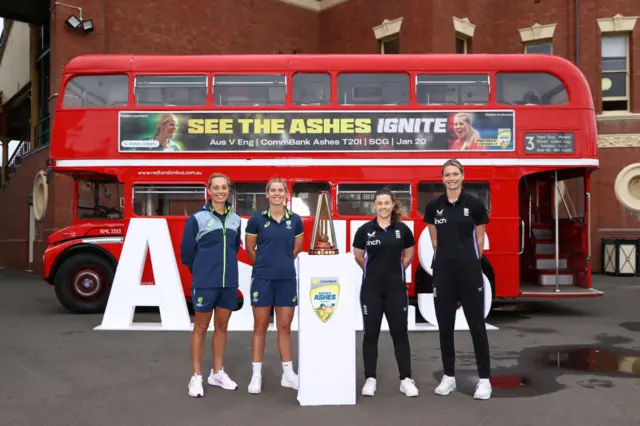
[388, 36]
[464, 31]
[615, 73]
[539, 48]
[390, 46]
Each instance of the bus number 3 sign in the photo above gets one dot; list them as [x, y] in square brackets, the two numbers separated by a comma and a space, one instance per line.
[152, 236]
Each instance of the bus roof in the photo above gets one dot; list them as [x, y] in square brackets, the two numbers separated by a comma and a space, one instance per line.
[101, 63]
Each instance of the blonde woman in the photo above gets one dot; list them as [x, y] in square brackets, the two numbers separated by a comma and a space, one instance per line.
[273, 240]
[468, 137]
[209, 248]
[456, 222]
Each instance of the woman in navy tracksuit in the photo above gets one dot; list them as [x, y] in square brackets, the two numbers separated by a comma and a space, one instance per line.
[209, 248]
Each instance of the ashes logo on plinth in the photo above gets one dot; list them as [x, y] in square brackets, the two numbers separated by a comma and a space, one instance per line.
[324, 293]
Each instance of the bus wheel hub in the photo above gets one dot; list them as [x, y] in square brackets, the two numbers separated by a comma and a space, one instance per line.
[87, 283]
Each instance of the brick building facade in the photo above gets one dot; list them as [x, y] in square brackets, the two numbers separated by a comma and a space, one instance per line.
[588, 32]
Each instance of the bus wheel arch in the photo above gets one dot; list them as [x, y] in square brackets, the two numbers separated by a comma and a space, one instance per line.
[82, 279]
[487, 270]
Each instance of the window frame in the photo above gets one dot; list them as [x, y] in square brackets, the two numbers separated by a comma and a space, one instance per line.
[382, 42]
[293, 89]
[490, 82]
[121, 187]
[468, 183]
[233, 195]
[329, 190]
[499, 99]
[288, 88]
[380, 185]
[613, 99]
[68, 83]
[165, 184]
[538, 43]
[134, 87]
[343, 104]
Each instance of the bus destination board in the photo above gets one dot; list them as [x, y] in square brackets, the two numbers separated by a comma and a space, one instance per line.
[549, 143]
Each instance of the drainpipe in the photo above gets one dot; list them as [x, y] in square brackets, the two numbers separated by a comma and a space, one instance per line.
[576, 32]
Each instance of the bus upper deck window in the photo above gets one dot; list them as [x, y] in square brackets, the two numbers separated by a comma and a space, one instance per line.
[452, 89]
[311, 89]
[530, 89]
[171, 90]
[373, 89]
[96, 91]
[250, 89]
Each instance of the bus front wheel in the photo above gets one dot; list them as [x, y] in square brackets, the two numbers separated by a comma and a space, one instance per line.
[83, 283]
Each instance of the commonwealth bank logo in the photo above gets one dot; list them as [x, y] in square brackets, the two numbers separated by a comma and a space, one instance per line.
[324, 293]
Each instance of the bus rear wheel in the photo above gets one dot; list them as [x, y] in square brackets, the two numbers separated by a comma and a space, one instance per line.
[83, 283]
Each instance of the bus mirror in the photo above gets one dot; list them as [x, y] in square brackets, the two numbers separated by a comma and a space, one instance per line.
[627, 187]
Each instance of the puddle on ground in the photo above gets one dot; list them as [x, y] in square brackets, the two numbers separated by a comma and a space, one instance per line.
[631, 326]
[596, 360]
[508, 382]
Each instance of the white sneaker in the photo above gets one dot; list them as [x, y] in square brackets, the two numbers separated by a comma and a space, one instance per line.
[222, 379]
[195, 386]
[483, 389]
[446, 386]
[255, 385]
[408, 387]
[289, 380]
[369, 388]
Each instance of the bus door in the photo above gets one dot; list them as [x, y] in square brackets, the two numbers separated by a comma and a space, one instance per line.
[555, 254]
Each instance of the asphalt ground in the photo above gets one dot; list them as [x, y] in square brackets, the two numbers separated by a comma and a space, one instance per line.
[56, 370]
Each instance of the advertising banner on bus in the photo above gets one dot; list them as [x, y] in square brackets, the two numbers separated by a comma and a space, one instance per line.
[317, 131]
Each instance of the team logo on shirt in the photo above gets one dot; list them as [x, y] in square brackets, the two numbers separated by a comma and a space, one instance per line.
[466, 211]
[324, 294]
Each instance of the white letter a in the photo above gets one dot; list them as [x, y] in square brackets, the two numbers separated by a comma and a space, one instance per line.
[127, 291]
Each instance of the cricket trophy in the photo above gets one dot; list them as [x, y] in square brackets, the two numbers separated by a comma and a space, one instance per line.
[321, 244]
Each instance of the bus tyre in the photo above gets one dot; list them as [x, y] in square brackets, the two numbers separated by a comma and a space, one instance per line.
[83, 283]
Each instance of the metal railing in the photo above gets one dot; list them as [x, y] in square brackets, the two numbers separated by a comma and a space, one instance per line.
[42, 137]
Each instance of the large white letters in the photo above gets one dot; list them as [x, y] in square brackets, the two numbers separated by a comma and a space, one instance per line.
[167, 293]
[144, 235]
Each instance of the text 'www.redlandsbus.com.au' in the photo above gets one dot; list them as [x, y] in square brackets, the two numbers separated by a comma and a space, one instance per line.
[170, 172]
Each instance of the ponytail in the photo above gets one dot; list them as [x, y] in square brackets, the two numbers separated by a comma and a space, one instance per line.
[397, 212]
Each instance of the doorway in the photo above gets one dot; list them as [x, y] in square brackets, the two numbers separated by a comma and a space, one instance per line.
[556, 256]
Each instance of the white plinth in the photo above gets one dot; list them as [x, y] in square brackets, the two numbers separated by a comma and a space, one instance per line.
[327, 339]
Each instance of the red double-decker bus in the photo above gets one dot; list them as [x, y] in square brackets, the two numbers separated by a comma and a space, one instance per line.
[140, 135]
